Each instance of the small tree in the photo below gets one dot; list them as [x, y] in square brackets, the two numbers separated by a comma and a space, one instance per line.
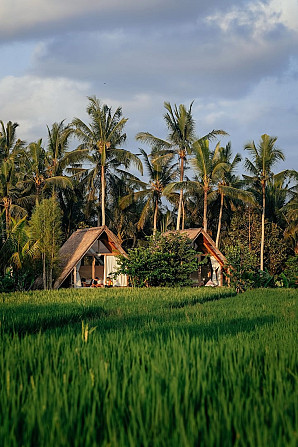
[46, 231]
[168, 260]
[243, 267]
[245, 229]
[17, 256]
[290, 273]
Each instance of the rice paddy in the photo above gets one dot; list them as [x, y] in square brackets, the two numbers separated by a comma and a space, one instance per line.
[154, 367]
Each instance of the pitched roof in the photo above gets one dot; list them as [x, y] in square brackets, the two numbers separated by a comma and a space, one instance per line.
[193, 234]
[73, 250]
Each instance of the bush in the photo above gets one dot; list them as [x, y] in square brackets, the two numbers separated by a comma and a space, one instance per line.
[168, 260]
[243, 267]
[289, 277]
[7, 283]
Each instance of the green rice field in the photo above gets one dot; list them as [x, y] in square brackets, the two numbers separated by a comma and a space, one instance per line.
[153, 367]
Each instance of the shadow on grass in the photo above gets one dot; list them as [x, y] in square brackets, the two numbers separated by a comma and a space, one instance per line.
[169, 318]
[158, 326]
[217, 295]
[33, 318]
[51, 318]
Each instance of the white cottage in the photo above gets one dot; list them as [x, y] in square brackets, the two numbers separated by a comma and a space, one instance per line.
[89, 253]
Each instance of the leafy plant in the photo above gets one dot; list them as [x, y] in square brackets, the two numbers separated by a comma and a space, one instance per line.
[243, 267]
[168, 260]
[45, 227]
[289, 276]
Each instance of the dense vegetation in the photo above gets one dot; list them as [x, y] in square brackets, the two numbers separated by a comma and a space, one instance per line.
[131, 367]
[167, 261]
[189, 181]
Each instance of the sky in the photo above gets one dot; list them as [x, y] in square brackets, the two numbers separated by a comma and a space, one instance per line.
[236, 59]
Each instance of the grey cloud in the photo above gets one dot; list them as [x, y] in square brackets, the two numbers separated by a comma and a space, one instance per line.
[31, 21]
[200, 57]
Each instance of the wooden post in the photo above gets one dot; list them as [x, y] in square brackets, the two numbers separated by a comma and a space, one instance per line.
[104, 270]
[229, 279]
[220, 276]
[74, 276]
[200, 271]
[93, 267]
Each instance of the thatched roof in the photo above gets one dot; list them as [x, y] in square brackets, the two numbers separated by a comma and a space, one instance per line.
[78, 245]
[208, 242]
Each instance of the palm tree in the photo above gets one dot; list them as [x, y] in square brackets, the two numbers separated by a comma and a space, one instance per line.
[58, 142]
[263, 158]
[40, 168]
[161, 172]
[123, 221]
[181, 136]
[229, 185]
[19, 249]
[10, 148]
[207, 167]
[285, 200]
[102, 137]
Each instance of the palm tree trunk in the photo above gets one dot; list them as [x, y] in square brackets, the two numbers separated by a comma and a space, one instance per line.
[7, 204]
[44, 271]
[181, 193]
[183, 215]
[205, 210]
[219, 219]
[249, 230]
[103, 191]
[155, 218]
[263, 227]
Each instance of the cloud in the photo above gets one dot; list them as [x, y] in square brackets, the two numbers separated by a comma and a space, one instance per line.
[203, 58]
[32, 18]
[231, 57]
[35, 102]
[267, 109]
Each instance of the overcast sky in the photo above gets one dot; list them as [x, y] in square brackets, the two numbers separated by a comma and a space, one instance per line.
[237, 59]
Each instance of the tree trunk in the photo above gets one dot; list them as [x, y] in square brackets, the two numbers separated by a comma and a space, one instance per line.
[263, 228]
[249, 230]
[155, 218]
[181, 193]
[7, 204]
[205, 210]
[183, 216]
[44, 277]
[219, 219]
[103, 191]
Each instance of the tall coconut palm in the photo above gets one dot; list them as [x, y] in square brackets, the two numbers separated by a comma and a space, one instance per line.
[181, 136]
[161, 172]
[10, 148]
[18, 249]
[57, 148]
[282, 195]
[102, 138]
[263, 157]
[229, 185]
[123, 221]
[39, 171]
[207, 167]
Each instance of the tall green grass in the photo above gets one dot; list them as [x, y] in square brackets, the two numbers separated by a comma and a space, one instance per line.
[157, 367]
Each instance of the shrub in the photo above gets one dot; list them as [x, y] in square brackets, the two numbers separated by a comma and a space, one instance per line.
[168, 260]
[289, 276]
[243, 271]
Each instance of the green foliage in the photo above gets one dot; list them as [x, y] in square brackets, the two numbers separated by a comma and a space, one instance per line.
[168, 260]
[164, 367]
[45, 227]
[243, 270]
[289, 276]
[245, 229]
[17, 257]
[7, 284]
